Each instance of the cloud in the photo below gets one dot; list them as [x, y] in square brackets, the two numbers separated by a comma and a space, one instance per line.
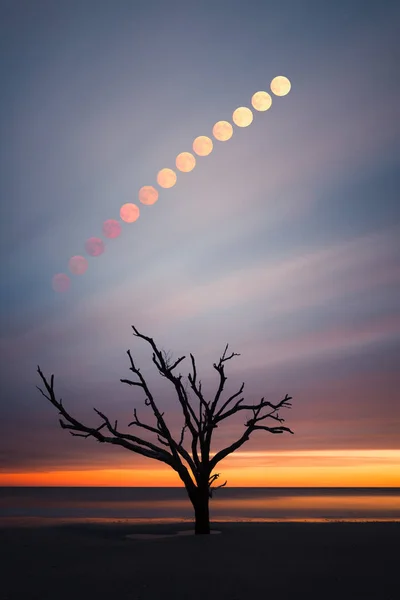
[300, 282]
[272, 290]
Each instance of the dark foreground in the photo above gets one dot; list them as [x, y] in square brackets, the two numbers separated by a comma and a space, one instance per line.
[246, 561]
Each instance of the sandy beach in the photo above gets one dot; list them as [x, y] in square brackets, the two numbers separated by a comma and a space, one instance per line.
[245, 561]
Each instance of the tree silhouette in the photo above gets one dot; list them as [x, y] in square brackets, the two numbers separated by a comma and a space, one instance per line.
[195, 467]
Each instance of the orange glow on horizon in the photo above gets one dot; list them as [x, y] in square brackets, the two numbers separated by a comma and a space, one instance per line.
[92, 478]
[325, 468]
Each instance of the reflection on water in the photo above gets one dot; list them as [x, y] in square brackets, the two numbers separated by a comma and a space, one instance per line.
[318, 506]
[163, 505]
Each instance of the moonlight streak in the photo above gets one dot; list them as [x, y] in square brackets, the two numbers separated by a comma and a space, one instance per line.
[166, 178]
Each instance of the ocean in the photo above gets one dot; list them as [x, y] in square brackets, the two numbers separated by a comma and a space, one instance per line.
[161, 505]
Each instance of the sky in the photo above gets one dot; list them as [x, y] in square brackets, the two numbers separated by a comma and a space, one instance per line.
[283, 242]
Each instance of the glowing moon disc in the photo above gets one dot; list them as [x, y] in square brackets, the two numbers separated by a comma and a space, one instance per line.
[166, 178]
[261, 101]
[60, 282]
[203, 145]
[242, 116]
[94, 246]
[112, 228]
[280, 86]
[78, 265]
[222, 131]
[185, 162]
[148, 195]
[129, 212]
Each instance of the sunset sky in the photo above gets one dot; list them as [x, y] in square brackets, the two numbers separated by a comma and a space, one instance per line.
[284, 241]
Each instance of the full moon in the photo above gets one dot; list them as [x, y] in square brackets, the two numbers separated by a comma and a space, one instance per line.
[129, 212]
[94, 246]
[61, 282]
[148, 195]
[185, 162]
[222, 131]
[242, 116]
[112, 228]
[78, 265]
[280, 86]
[166, 178]
[203, 145]
[261, 101]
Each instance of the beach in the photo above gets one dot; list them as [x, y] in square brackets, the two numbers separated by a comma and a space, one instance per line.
[245, 561]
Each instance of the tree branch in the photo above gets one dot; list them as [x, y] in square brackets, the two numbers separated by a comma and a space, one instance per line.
[162, 426]
[273, 429]
[190, 418]
[230, 400]
[284, 403]
[204, 419]
[219, 367]
[211, 480]
[130, 442]
[143, 425]
[251, 425]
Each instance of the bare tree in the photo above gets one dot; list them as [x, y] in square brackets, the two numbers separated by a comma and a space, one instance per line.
[195, 466]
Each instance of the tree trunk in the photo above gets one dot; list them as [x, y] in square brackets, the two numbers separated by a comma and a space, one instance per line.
[201, 512]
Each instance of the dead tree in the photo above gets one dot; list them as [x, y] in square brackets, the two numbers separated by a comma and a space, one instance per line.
[195, 466]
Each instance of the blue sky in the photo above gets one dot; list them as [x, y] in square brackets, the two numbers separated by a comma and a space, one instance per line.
[283, 242]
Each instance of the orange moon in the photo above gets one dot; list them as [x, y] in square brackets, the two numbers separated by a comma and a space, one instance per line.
[129, 212]
[94, 246]
[112, 228]
[61, 282]
[280, 86]
[185, 162]
[78, 265]
[261, 101]
[148, 195]
[166, 178]
[203, 145]
[222, 131]
[242, 116]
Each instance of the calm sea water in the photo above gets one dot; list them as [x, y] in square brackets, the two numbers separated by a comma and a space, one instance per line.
[172, 505]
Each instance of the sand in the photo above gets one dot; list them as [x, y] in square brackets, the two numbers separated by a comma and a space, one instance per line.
[245, 561]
